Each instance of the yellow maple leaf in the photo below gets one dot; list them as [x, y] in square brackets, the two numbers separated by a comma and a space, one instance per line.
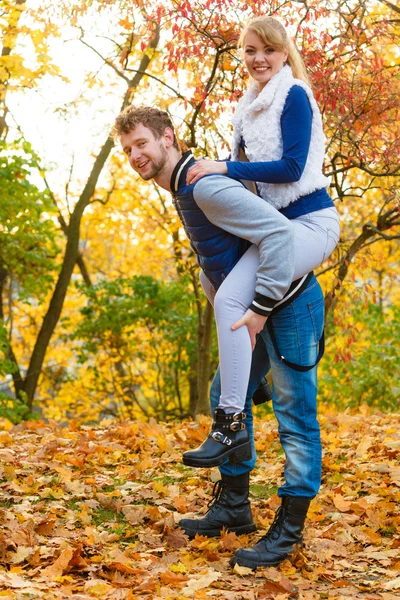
[178, 568]
[97, 587]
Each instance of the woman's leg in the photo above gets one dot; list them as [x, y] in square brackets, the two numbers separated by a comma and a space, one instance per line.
[316, 236]
[229, 205]
[229, 437]
[235, 352]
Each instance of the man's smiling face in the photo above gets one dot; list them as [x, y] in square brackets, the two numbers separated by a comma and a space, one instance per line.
[147, 155]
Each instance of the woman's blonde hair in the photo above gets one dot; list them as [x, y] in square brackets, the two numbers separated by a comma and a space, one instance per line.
[273, 34]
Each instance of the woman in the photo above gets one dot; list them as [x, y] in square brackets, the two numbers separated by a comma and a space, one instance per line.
[278, 125]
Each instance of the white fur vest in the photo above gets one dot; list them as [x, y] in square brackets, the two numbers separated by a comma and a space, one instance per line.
[258, 120]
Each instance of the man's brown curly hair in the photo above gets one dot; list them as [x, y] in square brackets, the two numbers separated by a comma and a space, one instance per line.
[152, 118]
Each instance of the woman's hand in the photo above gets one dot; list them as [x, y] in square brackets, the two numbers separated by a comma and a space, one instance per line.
[205, 167]
[254, 323]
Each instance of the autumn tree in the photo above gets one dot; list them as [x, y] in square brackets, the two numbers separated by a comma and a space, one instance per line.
[182, 56]
[70, 258]
[28, 250]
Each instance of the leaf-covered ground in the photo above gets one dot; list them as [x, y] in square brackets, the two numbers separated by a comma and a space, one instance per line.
[91, 512]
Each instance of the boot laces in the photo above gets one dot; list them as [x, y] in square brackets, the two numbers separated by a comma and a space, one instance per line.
[216, 494]
[275, 529]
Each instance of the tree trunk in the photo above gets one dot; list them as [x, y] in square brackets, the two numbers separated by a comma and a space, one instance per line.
[71, 255]
[203, 364]
[201, 367]
[9, 354]
[11, 33]
[193, 393]
[70, 258]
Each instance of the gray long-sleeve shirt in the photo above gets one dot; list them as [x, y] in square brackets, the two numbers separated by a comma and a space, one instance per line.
[229, 205]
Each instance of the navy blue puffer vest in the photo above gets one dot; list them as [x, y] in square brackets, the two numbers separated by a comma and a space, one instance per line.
[217, 250]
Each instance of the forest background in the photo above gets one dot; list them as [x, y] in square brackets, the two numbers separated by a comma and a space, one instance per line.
[101, 314]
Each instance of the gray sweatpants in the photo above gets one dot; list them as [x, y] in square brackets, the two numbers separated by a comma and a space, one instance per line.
[229, 205]
[279, 246]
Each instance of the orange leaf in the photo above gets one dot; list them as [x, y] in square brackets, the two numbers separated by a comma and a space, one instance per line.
[229, 541]
[134, 514]
[372, 535]
[46, 526]
[123, 55]
[124, 568]
[61, 564]
[199, 541]
[180, 504]
[283, 586]
[108, 502]
[125, 23]
[148, 585]
[75, 461]
[341, 504]
[168, 578]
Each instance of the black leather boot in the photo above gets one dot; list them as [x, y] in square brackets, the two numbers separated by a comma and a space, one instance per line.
[263, 393]
[284, 534]
[229, 509]
[228, 438]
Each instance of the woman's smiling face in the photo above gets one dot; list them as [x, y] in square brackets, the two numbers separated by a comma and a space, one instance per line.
[262, 61]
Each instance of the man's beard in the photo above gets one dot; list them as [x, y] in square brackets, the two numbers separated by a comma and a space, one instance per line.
[157, 165]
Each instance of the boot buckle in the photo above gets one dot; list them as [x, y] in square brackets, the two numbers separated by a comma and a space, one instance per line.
[221, 438]
[236, 426]
[239, 416]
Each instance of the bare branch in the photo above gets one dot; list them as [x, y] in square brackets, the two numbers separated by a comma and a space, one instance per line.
[390, 5]
[383, 235]
[68, 184]
[177, 94]
[360, 165]
[108, 195]
[327, 269]
[105, 60]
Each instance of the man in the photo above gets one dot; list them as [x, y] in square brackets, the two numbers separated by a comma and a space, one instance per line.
[288, 344]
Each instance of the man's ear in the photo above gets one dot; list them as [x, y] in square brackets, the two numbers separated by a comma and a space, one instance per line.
[168, 137]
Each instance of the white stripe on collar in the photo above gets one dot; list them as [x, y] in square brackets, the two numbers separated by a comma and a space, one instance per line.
[180, 171]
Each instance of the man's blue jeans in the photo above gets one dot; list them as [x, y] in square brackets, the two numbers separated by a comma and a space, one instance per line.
[297, 329]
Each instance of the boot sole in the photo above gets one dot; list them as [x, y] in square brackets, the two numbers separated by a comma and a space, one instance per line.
[236, 455]
[241, 529]
[253, 564]
[250, 564]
